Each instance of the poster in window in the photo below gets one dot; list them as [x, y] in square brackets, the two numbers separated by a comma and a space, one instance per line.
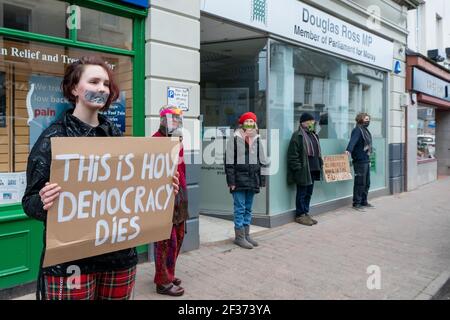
[116, 112]
[45, 104]
[12, 187]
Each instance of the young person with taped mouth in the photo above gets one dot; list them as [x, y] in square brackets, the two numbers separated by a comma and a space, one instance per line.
[89, 85]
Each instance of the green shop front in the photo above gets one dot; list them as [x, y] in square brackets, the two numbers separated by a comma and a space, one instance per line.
[37, 40]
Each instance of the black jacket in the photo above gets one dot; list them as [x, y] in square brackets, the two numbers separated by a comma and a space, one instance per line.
[38, 173]
[243, 169]
[356, 146]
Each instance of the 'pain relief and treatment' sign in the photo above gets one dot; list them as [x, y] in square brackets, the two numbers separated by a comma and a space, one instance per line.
[305, 24]
[116, 193]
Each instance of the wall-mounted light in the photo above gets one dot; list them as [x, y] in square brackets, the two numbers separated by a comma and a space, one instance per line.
[397, 67]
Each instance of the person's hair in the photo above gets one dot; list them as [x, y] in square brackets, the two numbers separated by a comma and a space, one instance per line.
[72, 76]
[360, 117]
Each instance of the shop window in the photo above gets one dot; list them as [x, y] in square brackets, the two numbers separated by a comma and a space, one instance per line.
[38, 16]
[233, 81]
[31, 99]
[15, 17]
[426, 138]
[333, 91]
[308, 85]
[106, 29]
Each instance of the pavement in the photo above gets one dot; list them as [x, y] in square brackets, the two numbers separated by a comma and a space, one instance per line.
[216, 230]
[399, 250]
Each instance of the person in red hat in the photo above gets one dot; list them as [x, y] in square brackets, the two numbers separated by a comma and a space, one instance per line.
[244, 158]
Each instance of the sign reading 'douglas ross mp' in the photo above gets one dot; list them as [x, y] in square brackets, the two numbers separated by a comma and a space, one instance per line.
[305, 24]
[116, 193]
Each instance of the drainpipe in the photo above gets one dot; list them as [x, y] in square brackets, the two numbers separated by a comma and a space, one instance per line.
[417, 29]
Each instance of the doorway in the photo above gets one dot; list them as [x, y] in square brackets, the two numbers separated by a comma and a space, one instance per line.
[233, 81]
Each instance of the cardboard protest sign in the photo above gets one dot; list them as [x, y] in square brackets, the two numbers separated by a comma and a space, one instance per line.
[116, 193]
[336, 168]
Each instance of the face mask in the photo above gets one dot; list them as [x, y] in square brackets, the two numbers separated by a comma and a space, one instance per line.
[96, 97]
[366, 123]
[310, 127]
[248, 127]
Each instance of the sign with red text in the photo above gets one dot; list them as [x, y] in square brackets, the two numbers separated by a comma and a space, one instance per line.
[116, 193]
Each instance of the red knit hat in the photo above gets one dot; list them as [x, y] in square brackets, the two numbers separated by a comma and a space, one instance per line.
[246, 116]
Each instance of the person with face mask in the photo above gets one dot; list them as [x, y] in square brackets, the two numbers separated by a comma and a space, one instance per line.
[304, 166]
[244, 159]
[166, 251]
[360, 149]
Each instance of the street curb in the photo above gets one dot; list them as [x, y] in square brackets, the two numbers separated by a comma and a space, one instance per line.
[230, 240]
[433, 288]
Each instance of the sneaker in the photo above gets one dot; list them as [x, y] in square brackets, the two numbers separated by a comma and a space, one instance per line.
[305, 220]
[368, 205]
[313, 220]
[358, 207]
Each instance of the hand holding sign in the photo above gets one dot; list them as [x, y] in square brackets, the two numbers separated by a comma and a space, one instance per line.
[116, 195]
[49, 194]
[176, 183]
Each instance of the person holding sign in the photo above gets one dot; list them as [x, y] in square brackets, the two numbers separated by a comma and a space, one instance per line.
[360, 148]
[166, 251]
[89, 85]
[304, 166]
[244, 158]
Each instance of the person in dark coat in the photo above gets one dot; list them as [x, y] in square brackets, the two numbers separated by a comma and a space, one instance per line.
[304, 166]
[244, 158]
[89, 85]
[167, 251]
[360, 149]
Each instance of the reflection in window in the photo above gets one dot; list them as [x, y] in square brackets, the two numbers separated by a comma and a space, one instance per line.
[334, 91]
[233, 82]
[106, 29]
[426, 126]
[15, 17]
[38, 16]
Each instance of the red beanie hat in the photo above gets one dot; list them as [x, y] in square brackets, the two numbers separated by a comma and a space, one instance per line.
[246, 116]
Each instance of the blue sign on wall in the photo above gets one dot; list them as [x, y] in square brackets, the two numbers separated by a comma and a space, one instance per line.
[139, 3]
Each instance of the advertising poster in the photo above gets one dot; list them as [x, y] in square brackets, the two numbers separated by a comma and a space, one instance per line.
[12, 187]
[116, 112]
